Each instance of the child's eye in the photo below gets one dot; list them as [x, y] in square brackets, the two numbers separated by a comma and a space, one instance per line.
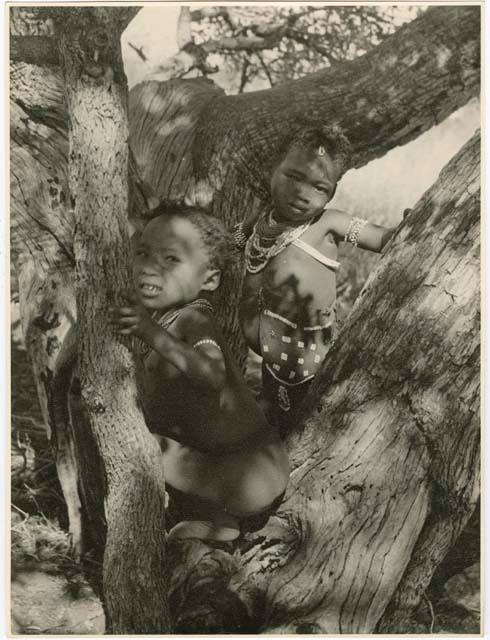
[171, 259]
[323, 190]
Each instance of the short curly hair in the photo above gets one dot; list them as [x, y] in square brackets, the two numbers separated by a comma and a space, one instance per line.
[312, 135]
[217, 241]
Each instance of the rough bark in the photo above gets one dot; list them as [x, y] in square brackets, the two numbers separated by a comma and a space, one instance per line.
[41, 248]
[386, 463]
[134, 573]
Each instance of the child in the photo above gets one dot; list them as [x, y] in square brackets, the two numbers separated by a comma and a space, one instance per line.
[225, 467]
[288, 307]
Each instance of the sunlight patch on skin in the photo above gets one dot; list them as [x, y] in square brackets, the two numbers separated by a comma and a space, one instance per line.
[443, 54]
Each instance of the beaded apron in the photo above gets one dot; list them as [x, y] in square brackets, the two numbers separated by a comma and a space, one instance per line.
[292, 354]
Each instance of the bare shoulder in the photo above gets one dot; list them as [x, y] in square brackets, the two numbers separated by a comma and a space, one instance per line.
[193, 323]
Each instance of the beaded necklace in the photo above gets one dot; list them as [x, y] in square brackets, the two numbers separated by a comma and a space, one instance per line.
[268, 239]
[170, 316]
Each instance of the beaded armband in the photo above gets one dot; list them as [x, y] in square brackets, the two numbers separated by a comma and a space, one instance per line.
[354, 230]
[239, 236]
[206, 341]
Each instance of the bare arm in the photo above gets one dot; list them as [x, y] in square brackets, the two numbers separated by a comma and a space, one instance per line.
[371, 236]
[203, 364]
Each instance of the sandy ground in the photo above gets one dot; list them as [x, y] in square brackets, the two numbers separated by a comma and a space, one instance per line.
[42, 604]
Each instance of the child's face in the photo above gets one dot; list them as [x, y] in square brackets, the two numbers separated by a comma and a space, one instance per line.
[170, 265]
[302, 184]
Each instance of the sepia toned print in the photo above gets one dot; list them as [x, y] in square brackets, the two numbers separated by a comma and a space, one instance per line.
[245, 318]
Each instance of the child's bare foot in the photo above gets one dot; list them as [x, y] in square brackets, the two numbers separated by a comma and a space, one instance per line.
[204, 530]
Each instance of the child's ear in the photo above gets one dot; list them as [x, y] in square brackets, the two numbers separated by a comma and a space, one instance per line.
[212, 280]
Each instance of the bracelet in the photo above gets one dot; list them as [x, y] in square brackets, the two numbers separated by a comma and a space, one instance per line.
[354, 230]
[206, 341]
[239, 236]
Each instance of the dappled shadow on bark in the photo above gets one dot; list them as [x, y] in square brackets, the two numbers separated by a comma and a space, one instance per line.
[35, 485]
[35, 488]
[464, 553]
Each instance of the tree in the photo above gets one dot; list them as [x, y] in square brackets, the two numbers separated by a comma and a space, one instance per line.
[180, 150]
[133, 496]
[271, 45]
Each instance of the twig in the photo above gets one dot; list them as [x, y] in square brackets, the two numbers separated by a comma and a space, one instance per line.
[14, 506]
[138, 51]
[244, 76]
[431, 609]
[264, 67]
[25, 418]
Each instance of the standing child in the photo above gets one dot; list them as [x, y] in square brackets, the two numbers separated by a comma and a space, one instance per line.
[288, 307]
[225, 467]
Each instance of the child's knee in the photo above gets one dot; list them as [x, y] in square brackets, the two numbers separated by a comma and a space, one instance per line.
[225, 528]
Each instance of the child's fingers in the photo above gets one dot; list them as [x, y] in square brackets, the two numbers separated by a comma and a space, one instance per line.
[125, 311]
[131, 297]
[125, 332]
[128, 321]
[118, 311]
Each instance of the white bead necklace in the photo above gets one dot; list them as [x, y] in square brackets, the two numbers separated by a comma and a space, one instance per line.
[268, 239]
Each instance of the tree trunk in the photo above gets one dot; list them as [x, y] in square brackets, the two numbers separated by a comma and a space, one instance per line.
[386, 462]
[42, 247]
[134, 573]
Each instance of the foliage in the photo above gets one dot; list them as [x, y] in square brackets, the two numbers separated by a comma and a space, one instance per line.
[264, 46]
[35, 540]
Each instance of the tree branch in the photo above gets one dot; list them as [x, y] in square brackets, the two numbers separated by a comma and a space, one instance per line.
[265, 68]
[243, 43]
[244, 76]
[42, 50]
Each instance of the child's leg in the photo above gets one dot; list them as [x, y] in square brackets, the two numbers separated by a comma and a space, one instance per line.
[258, 521]
[190, 516]
[223, 528]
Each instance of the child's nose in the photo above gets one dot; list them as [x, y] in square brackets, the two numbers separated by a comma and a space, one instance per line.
[148, 268]
[302, 195]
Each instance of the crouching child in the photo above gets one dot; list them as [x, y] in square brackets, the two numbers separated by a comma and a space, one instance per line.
[226, 468]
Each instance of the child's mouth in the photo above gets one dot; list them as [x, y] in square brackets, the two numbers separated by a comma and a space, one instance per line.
[296, 210]
[149, 288]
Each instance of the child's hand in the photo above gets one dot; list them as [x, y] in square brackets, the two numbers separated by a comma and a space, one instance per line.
[132, 319]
